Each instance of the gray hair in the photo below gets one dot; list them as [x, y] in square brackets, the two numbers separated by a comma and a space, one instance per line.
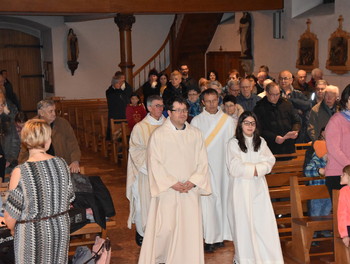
[115, 80]
[232, 83]
[216, 83]
[152, 98]
[44, 103]
[315, 71]
[332, 89]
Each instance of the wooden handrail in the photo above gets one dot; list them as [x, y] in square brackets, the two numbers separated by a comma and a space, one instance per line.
[158, 53]
[153, 57]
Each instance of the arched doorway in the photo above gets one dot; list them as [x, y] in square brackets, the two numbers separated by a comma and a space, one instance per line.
[20, 55]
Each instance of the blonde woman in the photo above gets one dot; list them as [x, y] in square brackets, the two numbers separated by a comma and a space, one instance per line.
[40, 194]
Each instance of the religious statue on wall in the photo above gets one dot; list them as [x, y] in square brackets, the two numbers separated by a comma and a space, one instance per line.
[72, 51]
[308, 50]
[245, 32]
[338, 50]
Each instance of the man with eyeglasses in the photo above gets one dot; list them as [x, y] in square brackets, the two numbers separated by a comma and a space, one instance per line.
[319, 93]
[217, 128]
[177, 167]
[323, 111]
[279, 123]
[247, 99]
[137, 190]
[299, 101]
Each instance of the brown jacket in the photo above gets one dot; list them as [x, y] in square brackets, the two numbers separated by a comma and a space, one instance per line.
[64, 142]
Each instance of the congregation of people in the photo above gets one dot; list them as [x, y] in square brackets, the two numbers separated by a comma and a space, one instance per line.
[181, 197]
[197, 160]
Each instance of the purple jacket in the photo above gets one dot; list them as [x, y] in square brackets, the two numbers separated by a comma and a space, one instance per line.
[338, 144]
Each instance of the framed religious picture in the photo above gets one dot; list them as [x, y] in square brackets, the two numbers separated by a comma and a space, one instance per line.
[48, 75]
[338, 50]
[307, 50]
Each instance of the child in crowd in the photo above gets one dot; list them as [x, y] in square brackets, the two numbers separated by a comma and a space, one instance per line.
[344, 206]
[135, 111]
[315, 168]
[194, 103]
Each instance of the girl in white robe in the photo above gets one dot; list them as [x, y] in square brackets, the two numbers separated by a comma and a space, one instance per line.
[250, 213]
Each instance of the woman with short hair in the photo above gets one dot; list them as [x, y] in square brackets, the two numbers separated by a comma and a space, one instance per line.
[40, 194]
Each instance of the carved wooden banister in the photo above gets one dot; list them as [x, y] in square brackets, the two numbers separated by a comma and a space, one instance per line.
[159, 61]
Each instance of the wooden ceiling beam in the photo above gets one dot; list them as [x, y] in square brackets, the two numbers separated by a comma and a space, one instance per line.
[55, 7]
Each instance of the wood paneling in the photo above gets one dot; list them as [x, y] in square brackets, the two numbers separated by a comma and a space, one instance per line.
[136, 6]
[222, 62]
[24, 51]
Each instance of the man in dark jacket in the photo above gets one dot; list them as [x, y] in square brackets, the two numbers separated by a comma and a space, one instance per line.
[299, 101]
[279, 123]
[118, 96]
[323, 111]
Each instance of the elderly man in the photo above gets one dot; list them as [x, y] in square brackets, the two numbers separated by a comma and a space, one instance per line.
[320, 90]
[316, 74]
[322, 112]
[137, 184]
[301, 85]
[217, 128]
[63, 141]
[247, 99]
[177, 167]
[300, 103]
[262, 76]
[233, 88]
[118, 96]
[278, 120]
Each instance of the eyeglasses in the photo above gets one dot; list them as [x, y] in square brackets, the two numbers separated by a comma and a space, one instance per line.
[247, 123]
[158, 106]
[184, 111]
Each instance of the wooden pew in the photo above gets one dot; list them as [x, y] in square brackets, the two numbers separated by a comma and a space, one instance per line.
[116, 139]
[303, 227]
[341, 252]
[279, 187]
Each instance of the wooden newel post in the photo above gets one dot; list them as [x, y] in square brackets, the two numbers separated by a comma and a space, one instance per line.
[124, 23]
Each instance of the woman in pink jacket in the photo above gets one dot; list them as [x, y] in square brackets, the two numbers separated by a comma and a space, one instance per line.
[338, 143]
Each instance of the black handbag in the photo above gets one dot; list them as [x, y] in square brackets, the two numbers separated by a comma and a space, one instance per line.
[7, 255]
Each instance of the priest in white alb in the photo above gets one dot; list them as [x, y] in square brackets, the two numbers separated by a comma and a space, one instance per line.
[217, 128]
[137, 187]
[178, 174]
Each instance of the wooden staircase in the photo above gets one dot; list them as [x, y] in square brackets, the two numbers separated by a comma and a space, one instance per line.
[187, 42]
[192, 41]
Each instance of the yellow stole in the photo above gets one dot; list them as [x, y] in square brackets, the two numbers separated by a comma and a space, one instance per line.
[216, 130]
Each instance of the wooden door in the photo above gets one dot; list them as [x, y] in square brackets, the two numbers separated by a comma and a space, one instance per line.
[20, 55]
[222, 62]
